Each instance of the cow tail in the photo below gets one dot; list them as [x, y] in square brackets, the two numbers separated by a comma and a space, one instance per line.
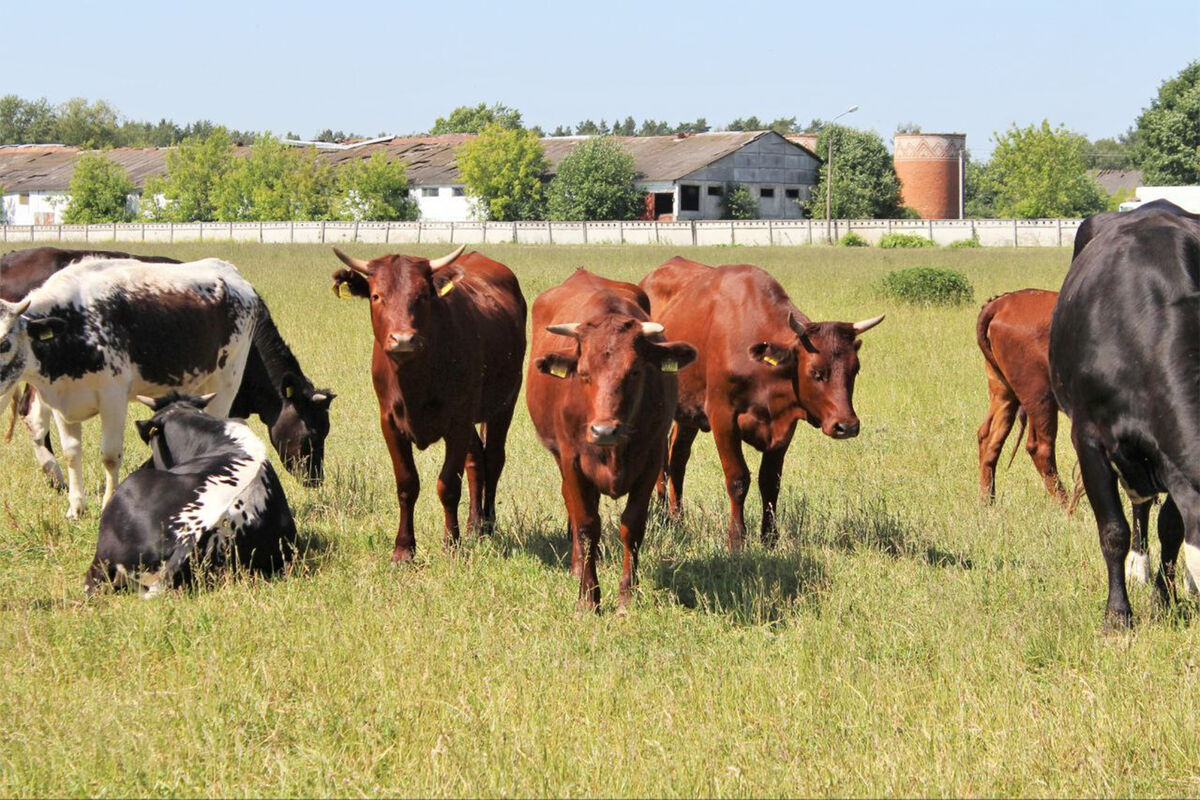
[1021, 417]
[981, 334]
[12, 422]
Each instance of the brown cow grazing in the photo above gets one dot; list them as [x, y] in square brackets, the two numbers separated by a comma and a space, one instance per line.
[1013, 332]
[763, 365]
[602, 391]
[449, 341]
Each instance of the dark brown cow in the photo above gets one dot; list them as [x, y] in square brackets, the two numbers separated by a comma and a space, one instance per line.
[602, 391]
[763, 365]
[1013, 332]
[449, 340]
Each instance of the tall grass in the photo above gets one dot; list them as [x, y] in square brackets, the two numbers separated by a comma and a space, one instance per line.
[899, 640]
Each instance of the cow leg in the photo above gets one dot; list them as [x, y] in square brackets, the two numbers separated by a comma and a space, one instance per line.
[495, 436]
[682, 437]
[1043, 430]
[1100, 481]
[737, 479]
[113, 411]
[770, 475]
[71, 436]
[1137, 563]
[476, 476]
[408, 486]
[1002, 410]
[1185, 496]
[38, 419]
[633, 531]
[583, 509]
[449, 485]
[1170, 537]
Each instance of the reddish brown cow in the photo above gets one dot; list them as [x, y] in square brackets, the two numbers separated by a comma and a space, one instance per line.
[449, 340]
[601, 391]
[763, 365]
[1013, 332]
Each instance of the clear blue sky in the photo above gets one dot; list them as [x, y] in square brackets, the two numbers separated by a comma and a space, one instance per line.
[369, 67]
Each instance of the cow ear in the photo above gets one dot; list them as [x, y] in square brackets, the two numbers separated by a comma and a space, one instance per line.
[42, 329]
[146, 429]
[348, 283]
[445, 279]
[558, 365]
[772, 355]
[289, 386]
[669, 356]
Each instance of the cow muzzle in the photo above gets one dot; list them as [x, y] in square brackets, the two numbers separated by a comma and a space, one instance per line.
[606, 433]
[403, 342]
[841, 429]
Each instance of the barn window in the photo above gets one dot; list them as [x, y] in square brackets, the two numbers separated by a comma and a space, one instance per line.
[714, 191]
[429, 191]
[766, 192]
[23, 198]
[689, 197]
[791, 194]
[459, 191]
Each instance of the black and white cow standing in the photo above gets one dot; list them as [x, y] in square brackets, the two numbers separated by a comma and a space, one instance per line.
[211, 498]
[100, 332]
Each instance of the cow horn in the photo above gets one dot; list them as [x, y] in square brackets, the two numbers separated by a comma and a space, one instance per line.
[867, 324]
[356, 264]
[438, 263]
[565, 329]
[19, 308]
[795, 324]
[146, 401]
[207, 398]
[651, 328]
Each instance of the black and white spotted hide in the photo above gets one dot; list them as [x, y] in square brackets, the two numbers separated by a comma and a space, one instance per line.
[211, 499]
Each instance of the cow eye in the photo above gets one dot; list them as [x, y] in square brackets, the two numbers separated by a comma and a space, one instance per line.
[375, 297]
[5, 346]
[816, 374]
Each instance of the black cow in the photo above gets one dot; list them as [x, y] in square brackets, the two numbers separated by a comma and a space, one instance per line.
[1125, 366]
[211, 497]
[1097, 222]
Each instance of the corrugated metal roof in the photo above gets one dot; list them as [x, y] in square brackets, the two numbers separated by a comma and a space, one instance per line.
[430, 160]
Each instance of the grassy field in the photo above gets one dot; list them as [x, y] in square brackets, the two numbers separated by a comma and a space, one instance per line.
[900, 640]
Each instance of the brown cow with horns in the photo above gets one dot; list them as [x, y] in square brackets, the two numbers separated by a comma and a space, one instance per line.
[601, 392]
[763, 365]
[449, 341]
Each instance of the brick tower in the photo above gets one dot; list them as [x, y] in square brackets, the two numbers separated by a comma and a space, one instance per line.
[927, 165]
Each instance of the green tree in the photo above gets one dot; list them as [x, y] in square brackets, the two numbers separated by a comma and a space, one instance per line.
[865, 185]
[737, 202]
[562, 130]
[99, 191]
[979, 195]
[188, 191]
[747, 124]
[276, 182]
[473, 119]
[595, 182]
[1109, 153]
[87, 124]
[652, 127]
[502, 169]
[375, 189]
[1167, 149]
[1040, 171]
[26, 121]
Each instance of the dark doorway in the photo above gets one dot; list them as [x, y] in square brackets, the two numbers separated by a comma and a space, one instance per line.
[664, 205]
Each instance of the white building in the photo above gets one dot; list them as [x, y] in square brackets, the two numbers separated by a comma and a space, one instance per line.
[34, 178]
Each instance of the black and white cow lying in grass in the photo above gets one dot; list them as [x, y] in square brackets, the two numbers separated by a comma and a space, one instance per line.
[211, 499]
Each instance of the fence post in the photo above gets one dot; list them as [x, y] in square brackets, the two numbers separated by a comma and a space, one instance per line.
[1016, 240]
[1059, 223]
[451, 231]
[621, 231]
[770, 234]
[693, 233]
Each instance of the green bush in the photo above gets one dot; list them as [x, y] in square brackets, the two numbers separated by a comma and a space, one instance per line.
[852, 239]
[927, 286]
[891, 240]
[962, 243]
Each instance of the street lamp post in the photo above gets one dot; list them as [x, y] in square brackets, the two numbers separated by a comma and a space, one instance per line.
[829, 175]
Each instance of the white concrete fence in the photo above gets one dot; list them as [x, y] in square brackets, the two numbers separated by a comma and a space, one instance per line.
[989, 232]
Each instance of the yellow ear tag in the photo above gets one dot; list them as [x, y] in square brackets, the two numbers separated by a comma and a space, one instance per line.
[670, 365]
[153, 431]
[446, 289]
[343, 291]
[46, 335]
[558, 371]
[288, 392]
[773, 362]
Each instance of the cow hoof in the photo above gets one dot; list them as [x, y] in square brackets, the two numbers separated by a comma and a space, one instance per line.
[75, 510]
[1118, 622]
[1137, 568]
[403, 555]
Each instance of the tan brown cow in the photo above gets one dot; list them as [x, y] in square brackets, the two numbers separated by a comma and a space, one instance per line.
[1013, 332]
[601, 390]
[449, 341]
[763, 365]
